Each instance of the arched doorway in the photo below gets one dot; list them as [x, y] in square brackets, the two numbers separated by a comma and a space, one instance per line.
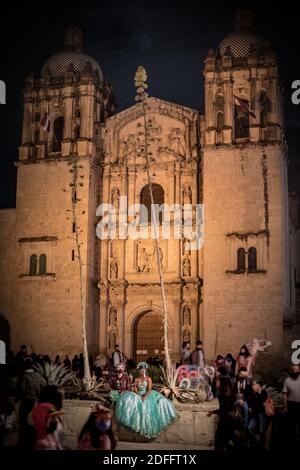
[148, 336]
[5, 332]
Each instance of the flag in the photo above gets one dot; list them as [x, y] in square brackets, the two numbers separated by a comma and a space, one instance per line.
[45, 122]
[242, 107]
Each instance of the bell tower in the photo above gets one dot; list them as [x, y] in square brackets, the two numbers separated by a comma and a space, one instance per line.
[244, 192]
[64, 111]
[243, 101]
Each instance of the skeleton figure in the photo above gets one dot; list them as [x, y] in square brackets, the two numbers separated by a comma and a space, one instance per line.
[258, 345]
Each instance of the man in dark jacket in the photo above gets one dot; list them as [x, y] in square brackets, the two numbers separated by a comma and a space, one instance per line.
[197, 357]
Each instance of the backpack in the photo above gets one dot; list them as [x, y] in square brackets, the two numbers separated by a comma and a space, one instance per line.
[269, 407]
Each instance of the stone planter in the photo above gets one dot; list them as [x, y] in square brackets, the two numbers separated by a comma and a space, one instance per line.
[192, 427]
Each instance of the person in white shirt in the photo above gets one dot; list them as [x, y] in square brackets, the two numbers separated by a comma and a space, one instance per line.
[118, 357]
[197, 357]
[291, 400]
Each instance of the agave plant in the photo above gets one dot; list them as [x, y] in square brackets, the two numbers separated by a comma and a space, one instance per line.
[169, 379]
[87, 389]
[52, 374]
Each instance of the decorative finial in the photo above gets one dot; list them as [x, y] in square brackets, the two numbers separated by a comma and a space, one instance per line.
[140, 83]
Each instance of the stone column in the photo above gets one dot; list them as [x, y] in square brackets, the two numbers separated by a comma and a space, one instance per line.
[209, 99]
[228, 105]
[103, 321]
[87, 114]
[68, 111]
[26, 130]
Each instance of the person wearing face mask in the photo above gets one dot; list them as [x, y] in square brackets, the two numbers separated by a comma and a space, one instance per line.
[197, 357]
[45, 418]
[291, 400]
[97, 433]
[244, 359]
[145, 411]
[120, 380]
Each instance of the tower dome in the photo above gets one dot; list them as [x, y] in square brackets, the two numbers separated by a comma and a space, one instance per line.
[243, 40]
[71, 56]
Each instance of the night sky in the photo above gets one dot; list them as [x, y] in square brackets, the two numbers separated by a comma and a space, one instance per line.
[170, 38]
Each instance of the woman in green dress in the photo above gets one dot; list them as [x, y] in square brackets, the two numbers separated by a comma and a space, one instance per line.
[145, 411]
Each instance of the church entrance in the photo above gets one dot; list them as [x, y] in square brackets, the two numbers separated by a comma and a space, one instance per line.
[148, 336]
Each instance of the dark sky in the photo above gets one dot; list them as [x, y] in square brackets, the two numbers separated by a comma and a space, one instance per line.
[170, 38]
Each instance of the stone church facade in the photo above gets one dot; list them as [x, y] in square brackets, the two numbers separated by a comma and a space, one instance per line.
[236, 287]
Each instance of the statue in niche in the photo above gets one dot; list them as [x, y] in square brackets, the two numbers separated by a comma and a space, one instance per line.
[115, 197]
[112, 317]
[186, 246]
[187, 195]
[187, 319]
[145, 262]
[186, 267]
[114, 269]
[112, 340]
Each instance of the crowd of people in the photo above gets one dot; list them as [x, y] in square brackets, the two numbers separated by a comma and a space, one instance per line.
[247, 415]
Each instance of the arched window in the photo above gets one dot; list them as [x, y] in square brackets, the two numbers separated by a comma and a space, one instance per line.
[220, 121]
[158, 198]
[219, 108]
[42, 264]
[33, 265]
[252, 259]
[58, 133]
[264, 108]
[76, 132]
[241, 119]
[241, 260]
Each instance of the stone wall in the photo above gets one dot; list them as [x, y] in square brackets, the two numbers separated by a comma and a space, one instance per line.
[244, 207]
[193, 426]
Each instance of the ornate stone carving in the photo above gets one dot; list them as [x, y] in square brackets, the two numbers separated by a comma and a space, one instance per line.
[175, 141]
[113, 317]
[190, 292]
[187, 318]
[187, 195]
[146, 256]
[114, 268]
[186, 246]
[112, 340]
[186, 335]
[115, 197]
